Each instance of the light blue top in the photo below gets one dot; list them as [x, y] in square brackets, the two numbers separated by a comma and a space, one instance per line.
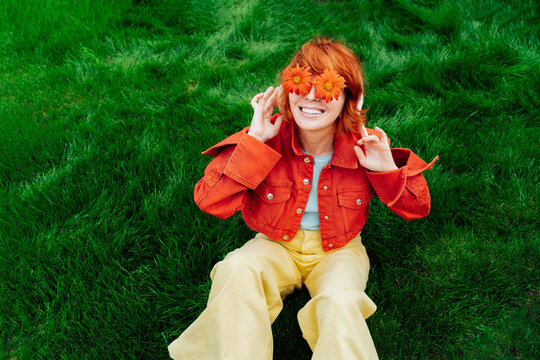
[310, 220]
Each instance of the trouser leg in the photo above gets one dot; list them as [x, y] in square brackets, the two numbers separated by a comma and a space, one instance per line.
[246, 296]
[333, 321]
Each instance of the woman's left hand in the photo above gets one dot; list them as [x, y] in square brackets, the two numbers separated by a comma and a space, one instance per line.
[378, 156]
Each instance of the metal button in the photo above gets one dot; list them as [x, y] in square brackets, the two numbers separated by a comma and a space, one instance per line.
[326, 217]
[358, 201]
[299, 211]
[269, 196]
[325, 187]
[306, 181]
[307, 160]
[330, 245]
[286, 237]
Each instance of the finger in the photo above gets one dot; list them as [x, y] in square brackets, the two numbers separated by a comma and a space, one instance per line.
[279, 89]
[384, 138]
[273, 100]
[258, 96]
[267, 93]
[270, 104]
[372, 139]
[255, 99]
[263, 101]
[360, 155]
[272, 96]
[363, 131]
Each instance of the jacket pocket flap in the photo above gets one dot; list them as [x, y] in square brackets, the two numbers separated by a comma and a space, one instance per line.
[271, 193]
[353, 199]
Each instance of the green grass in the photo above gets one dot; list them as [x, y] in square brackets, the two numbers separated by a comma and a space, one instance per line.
[106, 106]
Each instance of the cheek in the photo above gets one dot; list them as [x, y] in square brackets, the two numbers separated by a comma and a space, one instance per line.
[343, 103]
[293, 98]
[337, 108]
[290, 106]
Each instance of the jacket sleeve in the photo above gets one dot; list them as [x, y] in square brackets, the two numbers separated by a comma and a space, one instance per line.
[404, 191]
[241, 162]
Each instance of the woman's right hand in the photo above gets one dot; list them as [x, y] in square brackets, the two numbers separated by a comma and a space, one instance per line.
[263, 106]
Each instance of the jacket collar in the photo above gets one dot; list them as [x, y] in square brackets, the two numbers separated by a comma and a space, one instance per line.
[344, 155]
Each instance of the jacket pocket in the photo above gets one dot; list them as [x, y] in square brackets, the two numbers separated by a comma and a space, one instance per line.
[353, 204]
[267, 205]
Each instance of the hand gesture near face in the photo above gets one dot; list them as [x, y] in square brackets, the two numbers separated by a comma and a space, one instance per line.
[378, 156]
[263, 106]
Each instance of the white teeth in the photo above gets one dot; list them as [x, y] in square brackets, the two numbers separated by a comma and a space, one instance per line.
[311, 111]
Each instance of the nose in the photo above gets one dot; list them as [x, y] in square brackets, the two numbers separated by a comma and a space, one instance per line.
[311, 95]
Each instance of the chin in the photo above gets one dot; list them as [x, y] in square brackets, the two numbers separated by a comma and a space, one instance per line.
[313, 122]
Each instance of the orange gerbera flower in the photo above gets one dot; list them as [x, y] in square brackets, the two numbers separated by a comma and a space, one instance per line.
[329, 85]
[297, 80]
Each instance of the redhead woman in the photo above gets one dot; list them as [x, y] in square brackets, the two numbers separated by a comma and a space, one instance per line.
[303, 179]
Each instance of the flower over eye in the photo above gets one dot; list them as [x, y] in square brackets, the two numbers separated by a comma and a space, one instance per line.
[297, 80]
[329, 85]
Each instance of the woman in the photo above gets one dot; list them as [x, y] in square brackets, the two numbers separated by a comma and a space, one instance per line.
[303, 180]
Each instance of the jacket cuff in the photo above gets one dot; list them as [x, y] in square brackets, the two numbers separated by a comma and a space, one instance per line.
[390, 185]
[251, 161]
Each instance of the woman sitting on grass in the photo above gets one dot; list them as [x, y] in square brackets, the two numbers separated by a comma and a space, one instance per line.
[303, 180]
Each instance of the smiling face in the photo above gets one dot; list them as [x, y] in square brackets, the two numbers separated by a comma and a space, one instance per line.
[316, 56]
[314, 113]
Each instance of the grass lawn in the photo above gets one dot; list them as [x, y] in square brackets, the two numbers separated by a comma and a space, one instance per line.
[105, 107]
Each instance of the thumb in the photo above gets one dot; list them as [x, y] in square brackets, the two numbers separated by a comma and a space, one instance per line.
[278, 122]
[274, 129]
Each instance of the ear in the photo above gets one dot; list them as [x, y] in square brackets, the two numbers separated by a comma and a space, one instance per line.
[360, 102]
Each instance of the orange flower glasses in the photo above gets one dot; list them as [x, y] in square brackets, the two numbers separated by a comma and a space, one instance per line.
[298, 80]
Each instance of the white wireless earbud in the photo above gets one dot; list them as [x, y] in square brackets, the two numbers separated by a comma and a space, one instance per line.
[360, 102]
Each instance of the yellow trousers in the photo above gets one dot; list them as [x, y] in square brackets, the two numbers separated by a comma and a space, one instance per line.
[248, 287]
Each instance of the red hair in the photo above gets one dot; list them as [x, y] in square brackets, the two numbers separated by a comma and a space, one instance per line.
[320, 54]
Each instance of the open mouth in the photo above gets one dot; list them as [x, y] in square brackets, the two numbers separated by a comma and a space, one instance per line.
[311, 111]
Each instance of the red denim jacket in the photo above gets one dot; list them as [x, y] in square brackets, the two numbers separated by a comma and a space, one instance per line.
[270, 183]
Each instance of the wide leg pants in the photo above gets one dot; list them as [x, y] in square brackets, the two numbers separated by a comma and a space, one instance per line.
[248, 287]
